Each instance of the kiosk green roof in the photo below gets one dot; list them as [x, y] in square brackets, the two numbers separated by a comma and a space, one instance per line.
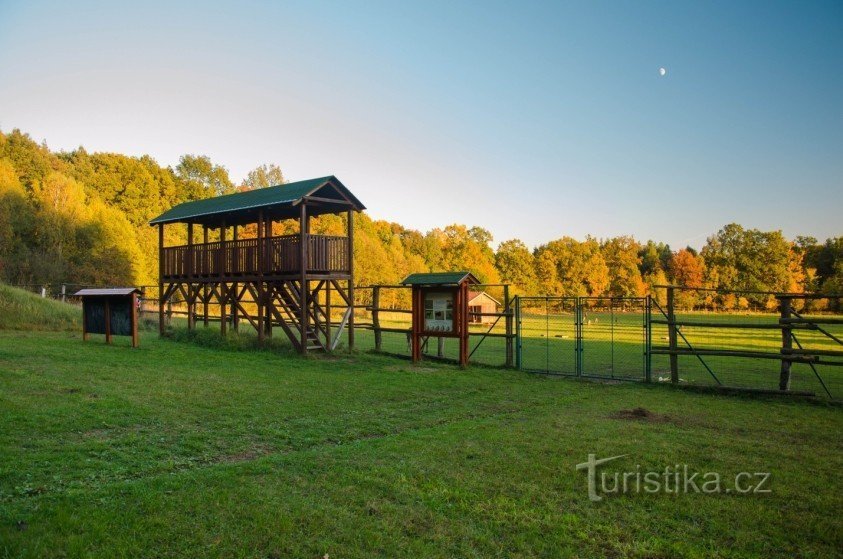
[440, 278]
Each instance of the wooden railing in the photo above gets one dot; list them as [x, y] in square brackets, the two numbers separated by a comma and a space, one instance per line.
[275, 255]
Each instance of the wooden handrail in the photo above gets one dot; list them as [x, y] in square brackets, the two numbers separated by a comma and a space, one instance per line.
[326, 254]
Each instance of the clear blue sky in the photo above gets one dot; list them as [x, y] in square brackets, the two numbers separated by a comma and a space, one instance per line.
[534, 120]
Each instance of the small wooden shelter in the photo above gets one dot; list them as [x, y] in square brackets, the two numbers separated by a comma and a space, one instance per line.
[440, 309]
[481, 306]
[290, 281]
[110, 311]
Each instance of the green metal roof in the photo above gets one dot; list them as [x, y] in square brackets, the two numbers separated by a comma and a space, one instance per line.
[439, 278]
[243, 206]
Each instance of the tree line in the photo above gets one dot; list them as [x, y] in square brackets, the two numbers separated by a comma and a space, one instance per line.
[79, 217]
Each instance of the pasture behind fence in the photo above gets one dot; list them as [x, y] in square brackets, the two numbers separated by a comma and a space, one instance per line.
[784, 343]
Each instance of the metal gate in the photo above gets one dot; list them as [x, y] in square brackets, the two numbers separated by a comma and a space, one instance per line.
[602, 337]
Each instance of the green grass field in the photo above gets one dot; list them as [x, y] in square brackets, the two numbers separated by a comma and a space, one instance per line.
[191, 446]
[174, 450]
[614, 346]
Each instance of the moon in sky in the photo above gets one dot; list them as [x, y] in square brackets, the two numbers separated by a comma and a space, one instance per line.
[662, 71]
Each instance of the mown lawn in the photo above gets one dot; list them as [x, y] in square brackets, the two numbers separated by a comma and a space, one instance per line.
[174, 450]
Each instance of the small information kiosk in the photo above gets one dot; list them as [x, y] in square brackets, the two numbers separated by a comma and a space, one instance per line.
[440, 309]
[112, 311]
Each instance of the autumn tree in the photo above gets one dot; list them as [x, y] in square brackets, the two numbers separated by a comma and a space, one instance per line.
[201, 178]
[622, 260]
[571, 268]
[263, 176]
[516, 266]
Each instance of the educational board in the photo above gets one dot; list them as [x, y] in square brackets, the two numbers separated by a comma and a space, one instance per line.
[120, 314]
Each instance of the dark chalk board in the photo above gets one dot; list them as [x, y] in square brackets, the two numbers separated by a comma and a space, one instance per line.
[120, 311]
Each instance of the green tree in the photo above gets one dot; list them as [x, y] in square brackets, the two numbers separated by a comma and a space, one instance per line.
[201, 179]
[621, 255]
[571, 268]
[516, 265]
[263, 176]
[752, 260]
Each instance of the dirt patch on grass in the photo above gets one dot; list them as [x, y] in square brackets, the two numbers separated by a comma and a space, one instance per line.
[249, 454]
[640, 414]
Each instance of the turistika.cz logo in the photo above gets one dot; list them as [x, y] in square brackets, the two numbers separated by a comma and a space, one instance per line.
[676, 479]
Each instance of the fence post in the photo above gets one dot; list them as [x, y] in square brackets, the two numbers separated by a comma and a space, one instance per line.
[578, 334]
[43, 291]
[671, 335]
[518, 332]
[648, 327]
[787, 342]
[63, 292]
[508, 318]
[376, 321]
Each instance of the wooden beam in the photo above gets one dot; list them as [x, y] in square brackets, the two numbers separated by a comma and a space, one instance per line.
[350, 264]
[223, 289]
[303, 290]
[161, 279]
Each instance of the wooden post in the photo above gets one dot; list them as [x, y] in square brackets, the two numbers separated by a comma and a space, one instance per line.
[235, 310]
[161, 279]
[462, 303]
[84, 319]
[440, 346]
[328, 316]
[785, 305]
[63, 292]
[260, 301]
[206, 264]
[376, 321]
[135, 320]
[507, 305]
[350, 243]
[191, 300]
[223, 287]
[304, 240]
[268, 266]
[107, 322]
[671, 335]
[418, 322]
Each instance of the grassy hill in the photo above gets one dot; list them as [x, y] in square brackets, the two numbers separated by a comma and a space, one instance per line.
[22, 310]
[176, 450]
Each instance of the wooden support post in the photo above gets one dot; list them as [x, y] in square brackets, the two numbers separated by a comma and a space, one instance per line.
[107, 322]
[418, 322]
[304, 240]
[440, 346]
[161, 279]
[84, 320]
[462, 305]
[191, 300]
[785, 306]
[328, 345]
[235, 261]
[376, 321]
[223, 287]
[350, 234]
[206, 265]
[268, 266]
[507, 305]
[671, 336]
[135, 342]
[260, 301]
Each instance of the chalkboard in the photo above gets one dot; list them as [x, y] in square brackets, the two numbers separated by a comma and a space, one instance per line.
[120, 310]
[94, 316]
[121, 316]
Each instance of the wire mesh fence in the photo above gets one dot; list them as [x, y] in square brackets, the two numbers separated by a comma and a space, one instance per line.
[604, 337]
[759, 341]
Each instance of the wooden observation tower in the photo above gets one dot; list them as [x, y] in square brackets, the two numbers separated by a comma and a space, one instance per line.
[294, 281]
